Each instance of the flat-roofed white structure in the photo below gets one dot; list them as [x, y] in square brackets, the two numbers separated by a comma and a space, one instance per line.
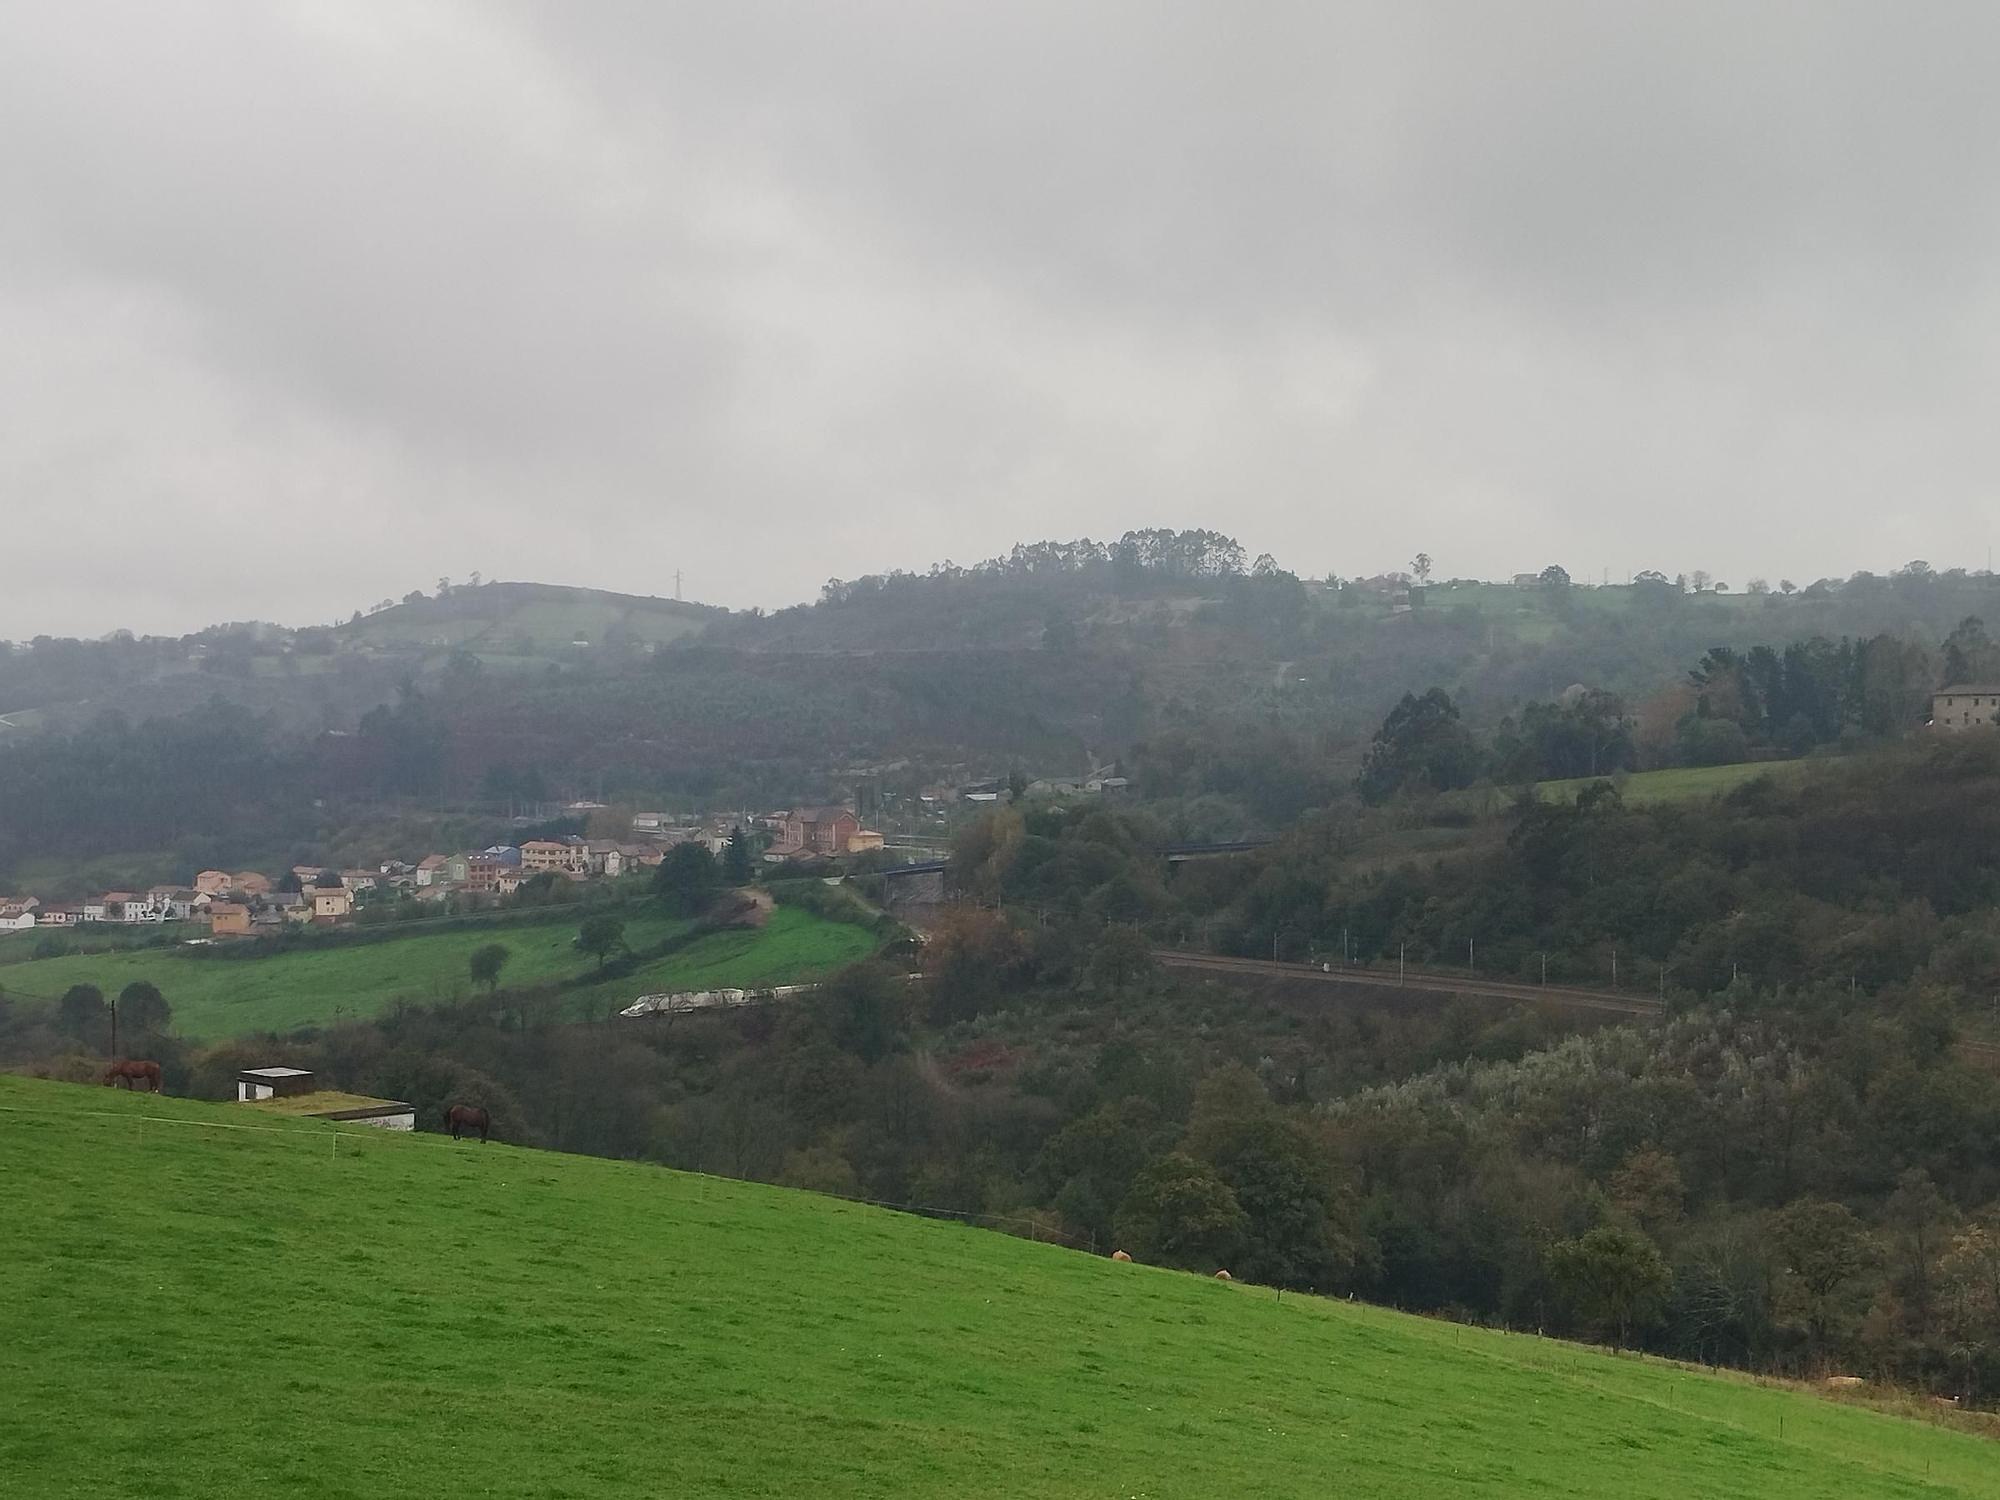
[272, 1083]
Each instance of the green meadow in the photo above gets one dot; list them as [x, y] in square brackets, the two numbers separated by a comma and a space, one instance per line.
[215, 997]
[194, 1307]
[1677, 784]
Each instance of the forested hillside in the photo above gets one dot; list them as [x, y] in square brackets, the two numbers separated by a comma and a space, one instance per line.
[1244, 688]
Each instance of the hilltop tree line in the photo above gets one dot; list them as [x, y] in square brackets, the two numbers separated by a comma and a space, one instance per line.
[1734, 705]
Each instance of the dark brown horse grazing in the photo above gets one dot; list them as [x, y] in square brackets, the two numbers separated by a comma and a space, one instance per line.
[130, 1072]
[468, 1117]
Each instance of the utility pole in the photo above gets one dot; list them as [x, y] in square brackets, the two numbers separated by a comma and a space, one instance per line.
[1468, 956]
[1545, 968]
[114, 1028]
[677, 583]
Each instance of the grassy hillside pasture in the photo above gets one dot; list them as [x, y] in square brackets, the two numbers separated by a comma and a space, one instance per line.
[94, 937]
[792, 947]
[195, 1309]
[546, 618]
[1679, 784]
[215, 997]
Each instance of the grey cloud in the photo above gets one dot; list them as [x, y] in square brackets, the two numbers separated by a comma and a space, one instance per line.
[589, 292]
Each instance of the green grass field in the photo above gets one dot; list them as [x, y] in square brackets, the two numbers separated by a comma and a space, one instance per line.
[93, 937]
[549, 618]
[221, 997]
[1679, 784]
[794, 945]
[194, 1309]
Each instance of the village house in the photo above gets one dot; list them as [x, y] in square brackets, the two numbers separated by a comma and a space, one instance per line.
[250, 883]
[16, 917]
[59, 916]
[538, 855]
[485, 871]
[651, 824]
[603, 857]
[330, 903]
[213, 882]
[457, 868]
[175, 904]
[819, 833]
[354, 882]
[1966, 705]
[229, 919]
[121, 906]
[431, 869]
[292, 906]
[640, 857]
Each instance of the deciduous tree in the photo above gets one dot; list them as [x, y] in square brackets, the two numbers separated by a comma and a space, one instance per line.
[1614, 1276]
[484, 964]
[1181, 1213]
[601, 935]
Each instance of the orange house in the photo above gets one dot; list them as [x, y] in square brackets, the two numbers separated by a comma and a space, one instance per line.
[228, 919]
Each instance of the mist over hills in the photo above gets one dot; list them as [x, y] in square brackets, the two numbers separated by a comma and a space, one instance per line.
[1166, 651]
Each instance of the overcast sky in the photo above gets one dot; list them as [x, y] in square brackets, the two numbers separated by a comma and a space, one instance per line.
[304, 305]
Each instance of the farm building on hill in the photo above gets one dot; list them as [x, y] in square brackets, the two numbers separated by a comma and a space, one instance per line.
[272, 1083]
[1966, 705]
[295, 1092]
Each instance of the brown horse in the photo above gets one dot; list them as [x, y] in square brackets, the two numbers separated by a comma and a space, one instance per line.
[468, 1117]
[130, 1072]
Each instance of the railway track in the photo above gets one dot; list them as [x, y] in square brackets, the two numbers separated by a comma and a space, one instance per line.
[1612, 1002]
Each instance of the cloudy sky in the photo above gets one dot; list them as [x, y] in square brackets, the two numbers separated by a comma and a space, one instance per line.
[304, 305]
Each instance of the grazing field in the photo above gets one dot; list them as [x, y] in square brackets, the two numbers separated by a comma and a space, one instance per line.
[528, 619]
[215, 997]
[1680, 784]
[92, 937]
[193, 1309]
[793, 945]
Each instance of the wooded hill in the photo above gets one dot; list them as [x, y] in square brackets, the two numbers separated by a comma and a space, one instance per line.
[1206, 676]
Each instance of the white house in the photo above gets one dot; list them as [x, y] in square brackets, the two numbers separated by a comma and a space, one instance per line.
[174, 904]
[16, 919]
